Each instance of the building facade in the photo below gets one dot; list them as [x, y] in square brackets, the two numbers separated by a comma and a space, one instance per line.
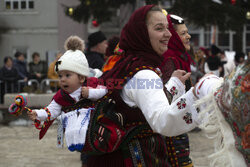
[36, 26]
[42, 26]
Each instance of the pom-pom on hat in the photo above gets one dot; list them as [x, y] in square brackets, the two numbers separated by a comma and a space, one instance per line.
[74, 43]
[74, 61]
[95, 38]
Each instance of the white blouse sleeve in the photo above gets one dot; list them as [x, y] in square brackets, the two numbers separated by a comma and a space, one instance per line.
[54, 108]
[175, 87]
[169, 120]
[207, 85]
[97, 93]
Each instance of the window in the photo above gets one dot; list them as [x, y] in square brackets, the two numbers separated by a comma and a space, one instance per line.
[207, 36]
[15, 4]
[248, 39]
[19, 4]
[7, 4]
[23, 5]
[223, 39]
[248, 25]
[195, 39]
[31, 4]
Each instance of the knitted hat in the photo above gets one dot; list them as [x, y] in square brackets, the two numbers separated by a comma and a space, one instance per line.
[74, 61]
[95, 38]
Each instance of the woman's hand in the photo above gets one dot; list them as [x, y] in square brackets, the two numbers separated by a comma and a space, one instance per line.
[32, 115]
[181, 75]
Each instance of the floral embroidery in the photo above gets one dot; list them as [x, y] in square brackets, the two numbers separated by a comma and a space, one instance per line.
[245, 84]
[237, 91]
[246, 137]
[173, 91]
[188, 118]
[236, 108]
[237, 129]
[238, 80]
[182, 103]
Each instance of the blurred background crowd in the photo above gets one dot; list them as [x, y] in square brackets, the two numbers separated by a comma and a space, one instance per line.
[30, 43]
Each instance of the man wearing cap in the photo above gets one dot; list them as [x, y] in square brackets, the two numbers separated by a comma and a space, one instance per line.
[97, 45]
[227, 64]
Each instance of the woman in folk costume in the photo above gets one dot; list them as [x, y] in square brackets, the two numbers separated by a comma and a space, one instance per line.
[141, 100]
[177, 57]
[226, 103]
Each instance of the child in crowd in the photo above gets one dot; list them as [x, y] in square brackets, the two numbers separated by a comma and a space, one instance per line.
[70, 103]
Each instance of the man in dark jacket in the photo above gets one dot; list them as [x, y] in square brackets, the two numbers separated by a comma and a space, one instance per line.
[97, 45]
[21, 66]
[9, 77]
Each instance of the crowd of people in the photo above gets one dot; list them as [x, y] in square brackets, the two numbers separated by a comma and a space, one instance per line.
[138, 111]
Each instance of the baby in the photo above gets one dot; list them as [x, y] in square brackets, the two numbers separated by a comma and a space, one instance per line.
[72, 69]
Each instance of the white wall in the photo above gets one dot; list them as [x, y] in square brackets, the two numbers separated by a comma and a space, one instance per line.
[36, 29]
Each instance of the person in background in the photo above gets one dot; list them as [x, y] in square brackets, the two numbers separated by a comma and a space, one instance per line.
[113, 53]
[97, 45]
[201, 56]
[21, 67]
[112, 43]
[37, 68]
[194, 65]
[52, 74]
[213, 64]
[227, 65]
[9, 76]
[239, 58]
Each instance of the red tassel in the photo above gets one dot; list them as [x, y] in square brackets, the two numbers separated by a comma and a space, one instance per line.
[44, 129]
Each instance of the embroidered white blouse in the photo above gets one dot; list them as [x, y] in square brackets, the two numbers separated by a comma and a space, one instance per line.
[145, 90]
[55, 108]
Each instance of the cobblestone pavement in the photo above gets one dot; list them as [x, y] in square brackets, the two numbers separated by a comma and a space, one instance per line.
[20, 147]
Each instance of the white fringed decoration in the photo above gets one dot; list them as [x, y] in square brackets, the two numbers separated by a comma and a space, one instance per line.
[215, 127]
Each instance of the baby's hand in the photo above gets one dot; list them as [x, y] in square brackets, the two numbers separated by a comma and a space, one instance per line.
[32, 115]
[85, 92]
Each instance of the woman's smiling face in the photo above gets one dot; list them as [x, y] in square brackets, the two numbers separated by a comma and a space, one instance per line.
[182, 31]
[158, 32]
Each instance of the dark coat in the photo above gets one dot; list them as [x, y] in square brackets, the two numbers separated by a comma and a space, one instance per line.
[9, 78]
[8, 74]
[41, 68]
[21, 68]
[95, 60]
